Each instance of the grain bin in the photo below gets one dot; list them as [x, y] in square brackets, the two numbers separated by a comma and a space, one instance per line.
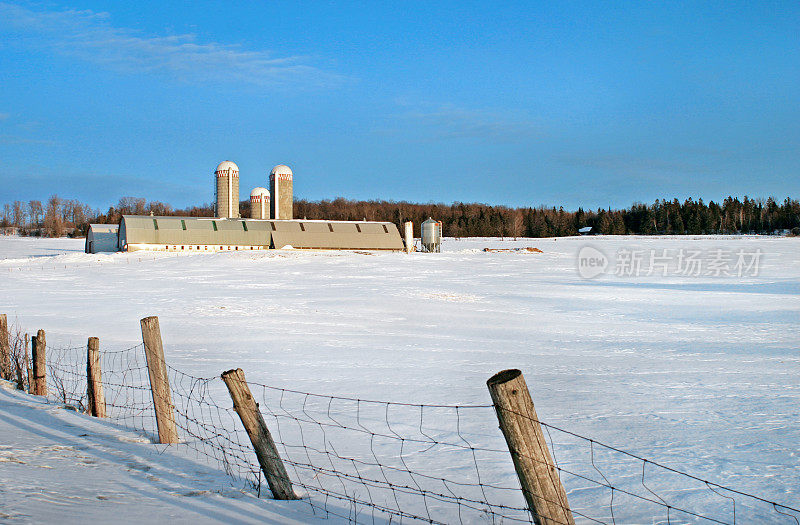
[432, 236]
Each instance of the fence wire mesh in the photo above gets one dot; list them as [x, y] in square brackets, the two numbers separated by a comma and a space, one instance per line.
[366, 461]
[382, 460]
[126, 383]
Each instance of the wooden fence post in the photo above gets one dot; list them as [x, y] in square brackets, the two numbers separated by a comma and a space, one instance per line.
[27, 361]
[159, 380]
[94, 379]
[253, 421]
[541, 484]
[5, 349]
[39, 364]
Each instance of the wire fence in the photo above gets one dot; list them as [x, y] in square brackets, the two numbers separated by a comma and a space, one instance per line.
[126, 383]
[367, 461]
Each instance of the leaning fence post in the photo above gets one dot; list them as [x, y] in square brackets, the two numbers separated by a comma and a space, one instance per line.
[5, 349]
[253, 421]
[39, 364]
[159, 381]
[94, 379]
[541, 484]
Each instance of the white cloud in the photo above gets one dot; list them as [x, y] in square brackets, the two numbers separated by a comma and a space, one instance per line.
[89, 36]
[450, 122]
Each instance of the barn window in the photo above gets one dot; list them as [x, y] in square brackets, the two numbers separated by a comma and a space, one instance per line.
[302, 227]
[330, 227]
[385, 229]
[358, 227]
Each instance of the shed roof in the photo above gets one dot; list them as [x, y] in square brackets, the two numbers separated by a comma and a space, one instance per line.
[104, 228]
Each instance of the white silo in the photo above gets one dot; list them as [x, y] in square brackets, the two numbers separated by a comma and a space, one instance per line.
[227, 190]
[259, 203]
[280, 184]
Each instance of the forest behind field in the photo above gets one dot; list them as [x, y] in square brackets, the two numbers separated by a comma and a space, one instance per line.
[56, 217]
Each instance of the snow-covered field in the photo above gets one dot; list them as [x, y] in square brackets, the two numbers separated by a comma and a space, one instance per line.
[698, 372]
[58, 466]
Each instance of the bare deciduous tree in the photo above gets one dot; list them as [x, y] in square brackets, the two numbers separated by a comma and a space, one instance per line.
[35, 213]
[53, 222]
[19, 215]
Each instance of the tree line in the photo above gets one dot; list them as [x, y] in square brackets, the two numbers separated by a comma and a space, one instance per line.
[57, 217]
[482, 220]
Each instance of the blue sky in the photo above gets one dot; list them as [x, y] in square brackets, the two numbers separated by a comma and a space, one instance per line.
[589, 104]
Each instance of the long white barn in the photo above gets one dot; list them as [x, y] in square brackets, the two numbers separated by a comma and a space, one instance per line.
[207, 234]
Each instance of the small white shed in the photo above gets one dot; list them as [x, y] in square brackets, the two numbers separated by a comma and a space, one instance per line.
[102, 238]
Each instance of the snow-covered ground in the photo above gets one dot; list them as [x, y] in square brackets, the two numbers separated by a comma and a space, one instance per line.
[699, 372]
[59, 466]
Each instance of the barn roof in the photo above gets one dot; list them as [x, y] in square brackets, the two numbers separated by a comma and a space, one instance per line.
[104, 228]
[335, 235]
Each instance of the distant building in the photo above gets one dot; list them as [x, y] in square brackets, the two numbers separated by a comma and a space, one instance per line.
[102, 238]
[266, 229]
[207, 234]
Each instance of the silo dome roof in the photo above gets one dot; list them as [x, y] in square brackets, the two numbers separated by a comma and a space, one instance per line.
[227, 165]
[281, 169]
[259, 191]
